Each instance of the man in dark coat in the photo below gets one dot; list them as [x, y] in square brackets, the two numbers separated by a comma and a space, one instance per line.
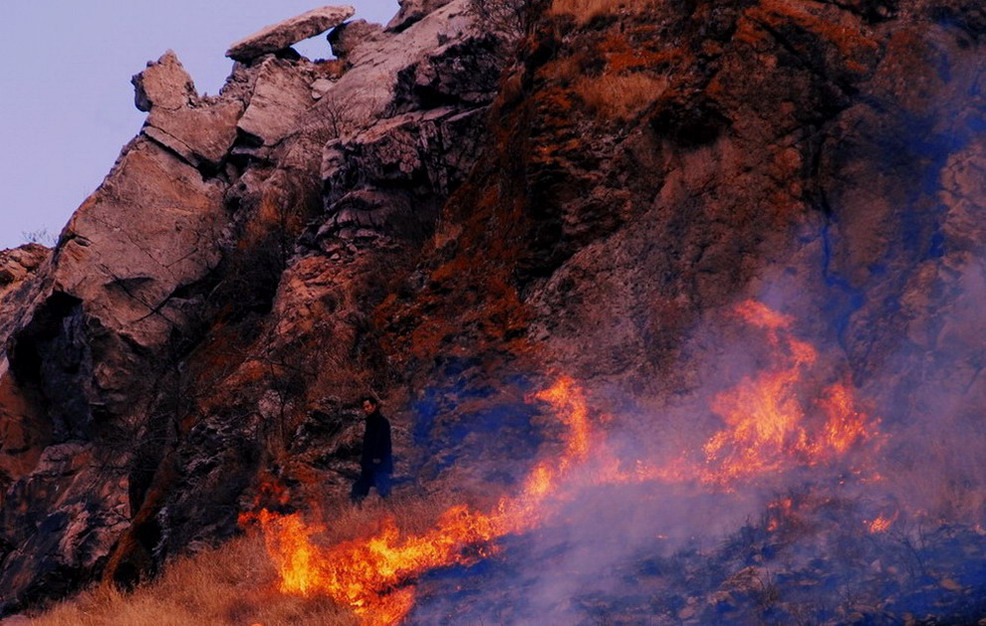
[377, 460]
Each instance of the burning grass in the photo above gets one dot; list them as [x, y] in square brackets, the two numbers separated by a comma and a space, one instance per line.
[589, 510]
[236, 583]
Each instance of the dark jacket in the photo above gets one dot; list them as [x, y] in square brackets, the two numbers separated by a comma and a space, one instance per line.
[376, 445]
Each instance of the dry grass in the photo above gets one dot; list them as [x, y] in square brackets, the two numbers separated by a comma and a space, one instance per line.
[585, 10]
[233, 584]
[236, 583]
[619, 96]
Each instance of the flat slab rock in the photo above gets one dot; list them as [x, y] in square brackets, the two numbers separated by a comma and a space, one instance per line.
[289, 32]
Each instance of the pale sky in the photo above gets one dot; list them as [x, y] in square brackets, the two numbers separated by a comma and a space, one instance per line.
[66, 102]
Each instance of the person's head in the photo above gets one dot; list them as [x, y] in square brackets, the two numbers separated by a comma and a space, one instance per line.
[370, 404]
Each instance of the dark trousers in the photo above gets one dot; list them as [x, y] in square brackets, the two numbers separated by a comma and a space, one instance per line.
[370, 478]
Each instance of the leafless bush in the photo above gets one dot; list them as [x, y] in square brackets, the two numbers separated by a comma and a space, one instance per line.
[41, 236]
[509, 18]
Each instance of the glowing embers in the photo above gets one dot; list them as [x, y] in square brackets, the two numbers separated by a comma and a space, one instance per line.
[780, 416]
[883, 522]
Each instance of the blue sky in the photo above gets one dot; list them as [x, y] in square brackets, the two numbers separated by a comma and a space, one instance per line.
[66, 103]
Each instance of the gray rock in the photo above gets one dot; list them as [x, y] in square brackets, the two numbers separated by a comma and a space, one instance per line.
[367, 91]
[18, 263]
[169, 215]
[199, 135]
[344, 38]
[84, 506]
[279, 36]
[321, 87]
[164, 84]
[200, 131]
[413, 11]
[281, 95]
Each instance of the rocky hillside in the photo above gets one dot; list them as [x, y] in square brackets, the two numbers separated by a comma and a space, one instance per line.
[408, 219]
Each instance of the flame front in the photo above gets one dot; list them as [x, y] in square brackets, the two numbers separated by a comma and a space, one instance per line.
[766, 427]
[374, 576]
[767, 424]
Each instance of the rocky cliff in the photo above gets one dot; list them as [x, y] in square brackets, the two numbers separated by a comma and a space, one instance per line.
[407, 219]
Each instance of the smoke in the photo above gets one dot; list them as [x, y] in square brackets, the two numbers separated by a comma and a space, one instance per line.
[932, 394]
[677, 523]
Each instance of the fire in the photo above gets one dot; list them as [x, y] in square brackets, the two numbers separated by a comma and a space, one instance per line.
[778, 511]
[269, 494]
[846, 424]
[770, 420]
[883, 523]
[287, 540]
[767, 424]
[374, 576]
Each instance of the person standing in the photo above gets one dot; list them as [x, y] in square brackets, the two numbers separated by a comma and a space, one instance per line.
[377, 459]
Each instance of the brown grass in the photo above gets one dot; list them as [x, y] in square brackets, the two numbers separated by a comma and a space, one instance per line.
[236, 583]
[619, 96]
[585, 10]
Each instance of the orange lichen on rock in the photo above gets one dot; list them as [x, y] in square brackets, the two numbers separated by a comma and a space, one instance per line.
[857, 51]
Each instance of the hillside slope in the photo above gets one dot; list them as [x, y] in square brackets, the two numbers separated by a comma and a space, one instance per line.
[699, 211]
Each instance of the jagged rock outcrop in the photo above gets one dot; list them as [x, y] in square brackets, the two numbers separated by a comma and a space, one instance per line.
[289, 32]
[346, 37]
[412, 11]
[403, 219]
[18, 263]
[177, 325]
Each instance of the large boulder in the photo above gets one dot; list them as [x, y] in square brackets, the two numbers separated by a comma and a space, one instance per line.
[201, 135]
[281, 95]
[284, 34]
[199, 130]
[345, 37]
[164, 84]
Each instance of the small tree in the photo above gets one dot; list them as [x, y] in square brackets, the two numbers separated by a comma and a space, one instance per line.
[41, 236]
[512, 19]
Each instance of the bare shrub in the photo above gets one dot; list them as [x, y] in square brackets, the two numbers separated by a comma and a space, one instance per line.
[41, 236]
[509, 18]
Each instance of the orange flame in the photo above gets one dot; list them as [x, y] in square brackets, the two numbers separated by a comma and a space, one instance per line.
[765, 416]
[767, 425]
[374, 576]
[883, 523]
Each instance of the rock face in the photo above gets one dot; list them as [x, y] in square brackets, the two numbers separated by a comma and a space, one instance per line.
[254, 220]
[346, 37]
[284, 34]
[198, 130]
[407, 220]
[412, 11]
[164, 84]
[18, 263]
